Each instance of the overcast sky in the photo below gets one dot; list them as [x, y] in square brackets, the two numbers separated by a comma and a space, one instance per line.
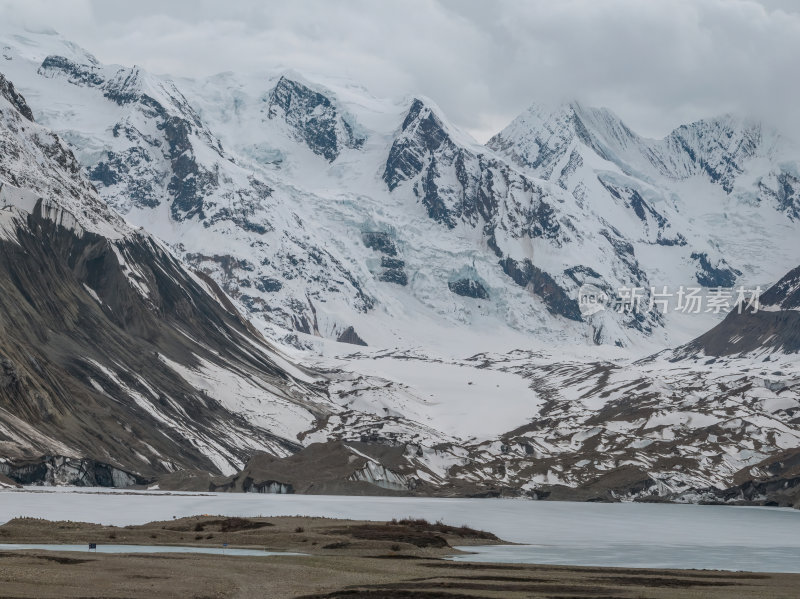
[655, 63]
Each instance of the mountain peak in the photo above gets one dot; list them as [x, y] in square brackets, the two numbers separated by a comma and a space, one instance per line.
[542, 136]
[313, 116]
[38, 165]
[422, 133]
[36, 44]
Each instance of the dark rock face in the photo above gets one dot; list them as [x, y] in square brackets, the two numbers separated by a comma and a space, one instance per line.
[313, 117]
[387, 262]
[394, 275]
[468, 288]
[393, 270]
[582, 274]
[785, 293]
[9, 377]
[709, 275]
[455, 184]
[380, 242]
[77, 74]
[679, 240]
[785, 192]
[406, 157]
[349, 335]
[657, 229]
[788, 194]
[269, 285]
[8, 91]
[60, 470]
[655, 225]
[547, 146]
[777, 486]
[542, 284]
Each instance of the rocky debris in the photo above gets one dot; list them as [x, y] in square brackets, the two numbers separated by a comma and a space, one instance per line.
[67, 296]
[334, 468]
[392, 268]
[380, 241]
[349, 335]
[667, 428]
[7, 483]
[468, 288]
[394, 275]
[719, 275]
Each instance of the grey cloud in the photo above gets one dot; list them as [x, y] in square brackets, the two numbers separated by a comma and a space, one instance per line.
[656, 63]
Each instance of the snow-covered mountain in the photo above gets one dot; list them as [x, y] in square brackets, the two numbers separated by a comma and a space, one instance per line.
[101, 324]
[327, 214]
[325, 211]
[119, 364]
[721, 195]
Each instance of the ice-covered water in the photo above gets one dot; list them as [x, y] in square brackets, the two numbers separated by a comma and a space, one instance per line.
[643, 555]
[623, 534]
[139, 549]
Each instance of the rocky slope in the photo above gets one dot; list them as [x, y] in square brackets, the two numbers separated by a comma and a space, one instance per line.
[111, 349]
[775, 326]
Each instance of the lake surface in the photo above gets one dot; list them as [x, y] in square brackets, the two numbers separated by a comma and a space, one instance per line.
[621, 534]
[139, 549]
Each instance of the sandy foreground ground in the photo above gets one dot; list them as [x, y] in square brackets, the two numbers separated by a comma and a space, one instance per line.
[343, 559]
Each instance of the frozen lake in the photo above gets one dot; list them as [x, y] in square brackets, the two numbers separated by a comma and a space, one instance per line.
[622, 534]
